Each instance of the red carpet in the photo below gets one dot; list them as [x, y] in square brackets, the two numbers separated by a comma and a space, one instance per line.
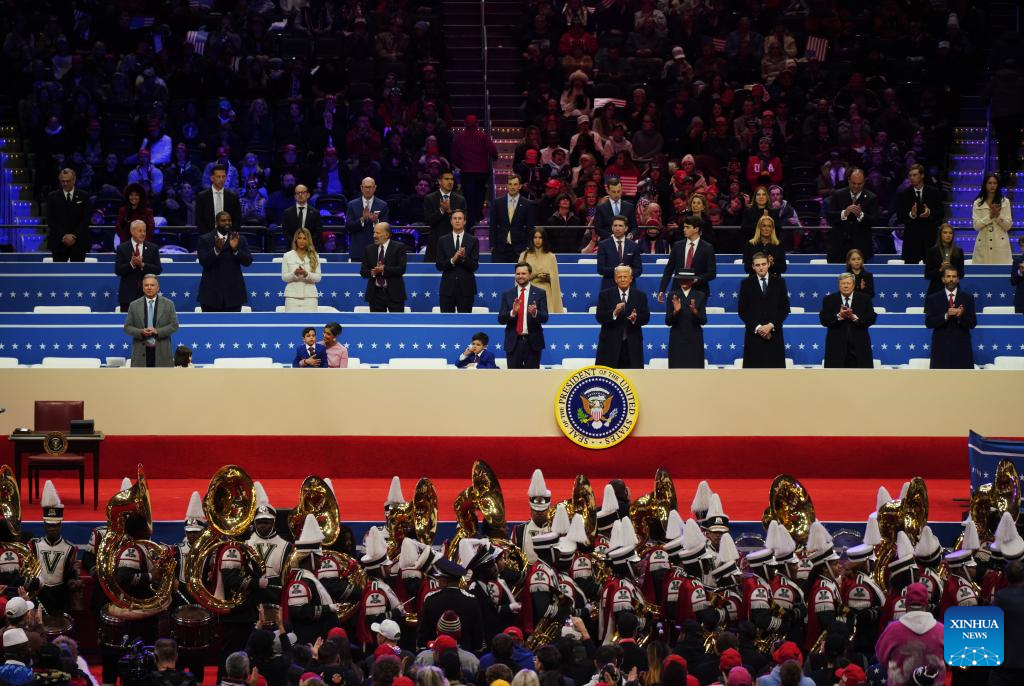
[362, 499]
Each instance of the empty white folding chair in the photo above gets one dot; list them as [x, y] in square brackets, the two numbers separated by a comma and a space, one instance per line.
[714, 309]
[661, 261]
[997, 309]
[879, 310]
[576, 362]
[917, 363]
[916, 309]
[418, 363]
[658, 363]
[71, 362]
[244, 362]
[62, 309]
[87, 259]
[796, 309]
[501, 362]
[1007, 362]
[587, 261]
[8, 362]
[245, 308]
[361, 309]
[818, 260]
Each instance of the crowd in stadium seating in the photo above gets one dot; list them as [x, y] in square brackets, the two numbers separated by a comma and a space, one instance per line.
[317, 93]
[720, 98]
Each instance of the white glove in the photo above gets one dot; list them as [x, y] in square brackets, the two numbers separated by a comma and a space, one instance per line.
[334, 607]
[515, 607]
[551, 611]
[264, 581]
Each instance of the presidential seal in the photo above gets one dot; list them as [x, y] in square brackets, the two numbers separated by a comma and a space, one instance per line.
[596, 407]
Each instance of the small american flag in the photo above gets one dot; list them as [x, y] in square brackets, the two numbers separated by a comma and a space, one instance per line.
[197, 39]
[817, 48]
[136, 23]
[719, 44]
[601, 102]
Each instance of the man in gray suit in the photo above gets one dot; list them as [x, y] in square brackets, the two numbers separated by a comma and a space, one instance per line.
[151, 321]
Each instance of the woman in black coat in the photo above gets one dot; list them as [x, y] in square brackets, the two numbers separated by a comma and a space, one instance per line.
[863, 280]
[760, 205]
[686, 328]
[944, 253]
[766, 241]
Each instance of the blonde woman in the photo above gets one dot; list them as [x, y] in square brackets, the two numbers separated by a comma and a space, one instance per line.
[545, 269]
[992, 220]
[300, 270]
[765, 240]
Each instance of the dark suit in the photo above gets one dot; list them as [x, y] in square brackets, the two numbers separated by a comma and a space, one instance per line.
[951, 338]
[603, 216]
[845, 235]
[756, 308]
[440, 223]
[608, 260]
[302, 353]
[933, 266]
[778, 262]
[205, 217]
[621, 342]
[703, 265]
[391, 296]
[1011, 672]
[523, 352]
[465, 606]
[919, 233]
[360, 233]
[517, 229]
[62, 218]
[847, 343]
[222, 286]
[131, 278]
[458, 281]
[1017, 281]
[311, 219]
[686, 332]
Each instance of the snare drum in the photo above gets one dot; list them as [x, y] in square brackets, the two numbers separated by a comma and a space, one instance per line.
[113, 629]
[57, 625]
[192, 627]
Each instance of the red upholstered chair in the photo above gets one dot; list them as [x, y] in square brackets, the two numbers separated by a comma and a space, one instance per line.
[56, 415]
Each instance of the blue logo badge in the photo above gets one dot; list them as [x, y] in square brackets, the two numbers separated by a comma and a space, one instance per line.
[973, 636]
[596, 407]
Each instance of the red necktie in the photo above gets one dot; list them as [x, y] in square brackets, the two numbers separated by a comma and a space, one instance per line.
[620, 251]
[521, 318]
[689, 257]
[136, 249]
[951, 300]
[380, 260]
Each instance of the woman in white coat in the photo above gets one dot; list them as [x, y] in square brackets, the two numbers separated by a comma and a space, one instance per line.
[300, 270]
[992, 220]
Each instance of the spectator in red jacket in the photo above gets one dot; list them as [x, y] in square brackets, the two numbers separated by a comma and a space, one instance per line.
[764, 168]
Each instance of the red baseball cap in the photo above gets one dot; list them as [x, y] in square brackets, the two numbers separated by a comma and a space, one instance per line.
[443, 642]
[515, 632]
[853, 674]
[337, 632]
[678, 659]
[471, 119]
[728, 659]
[788, 651]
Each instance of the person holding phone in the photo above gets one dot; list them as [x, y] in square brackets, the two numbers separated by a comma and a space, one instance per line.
[222, 254]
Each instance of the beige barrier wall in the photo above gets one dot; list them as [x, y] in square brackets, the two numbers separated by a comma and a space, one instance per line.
[791, 402]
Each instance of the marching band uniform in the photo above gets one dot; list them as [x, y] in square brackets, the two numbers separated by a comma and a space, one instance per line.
[1009, 546]
[726, 577]
[825, 604]
[307, 603]
[577, 602]
[540, 502]
[195, 522]
[787, 595]
[498, 607]
[959, 589]
[229, 574]
[685, 595]
[864, 597]
[621, 592]
[378, 601]
[757, 594]
[901, 575]
[57, 571]
[582, 566]
[450, 597]
[271, 547]
[928, 554]
[539, 596]
[715, 523]
[606, 517]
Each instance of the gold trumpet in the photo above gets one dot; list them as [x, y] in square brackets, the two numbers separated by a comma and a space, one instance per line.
[317, 498]
[128, 509]
[230, 507]
[418, 515]
[10, 512]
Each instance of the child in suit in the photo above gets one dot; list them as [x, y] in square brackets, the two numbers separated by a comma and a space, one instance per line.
[477, 356]
[310, 353]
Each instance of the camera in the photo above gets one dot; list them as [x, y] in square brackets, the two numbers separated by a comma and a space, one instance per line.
[136, 664]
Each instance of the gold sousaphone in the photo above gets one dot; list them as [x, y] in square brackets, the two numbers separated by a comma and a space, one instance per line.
[230, 507]
[908, 514]
[991, 500]
[789, 504]
[316, 497]
[10, 511]
[132, 506]
[418, 516]
[582, 503]
[652, 507]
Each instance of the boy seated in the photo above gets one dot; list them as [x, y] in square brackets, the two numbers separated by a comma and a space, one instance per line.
[477, 356]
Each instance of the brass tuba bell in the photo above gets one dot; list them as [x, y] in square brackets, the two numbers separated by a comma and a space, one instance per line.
[316, 497]
[123, 509]
[908, 514]
[582, 502]
[789, 504]
[10, 511]
[230, 507]
[653, 507]
[418, 515]
[991, 500]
